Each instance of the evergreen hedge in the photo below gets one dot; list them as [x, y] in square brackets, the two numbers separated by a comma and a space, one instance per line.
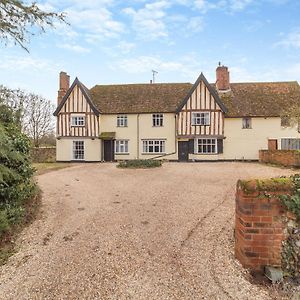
[16, 184]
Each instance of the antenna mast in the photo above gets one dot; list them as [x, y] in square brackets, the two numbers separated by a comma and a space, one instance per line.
[153, 75]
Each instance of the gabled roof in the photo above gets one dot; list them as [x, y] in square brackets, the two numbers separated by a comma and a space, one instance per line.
[139, 98]
[211, 90]
[261, 99]
[85, 92]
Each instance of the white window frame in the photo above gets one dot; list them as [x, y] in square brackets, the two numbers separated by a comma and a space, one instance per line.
[293, 143]
[210, 143]
[201, 118]
[150, 146]
[77, 120]
[157, 120]
[247, 123]
[121, 146]
[73, 150]
[122, 121]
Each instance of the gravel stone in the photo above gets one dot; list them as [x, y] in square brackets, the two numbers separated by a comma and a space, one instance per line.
[168, 236]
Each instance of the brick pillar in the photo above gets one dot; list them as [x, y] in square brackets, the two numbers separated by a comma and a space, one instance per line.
[259, 229]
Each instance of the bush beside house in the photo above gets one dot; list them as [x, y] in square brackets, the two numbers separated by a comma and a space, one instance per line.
[16, 184]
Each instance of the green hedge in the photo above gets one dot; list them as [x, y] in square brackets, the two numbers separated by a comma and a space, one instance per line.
[16, 185]
[140, 164]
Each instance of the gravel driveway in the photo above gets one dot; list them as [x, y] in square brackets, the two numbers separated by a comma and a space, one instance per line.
[108, 233]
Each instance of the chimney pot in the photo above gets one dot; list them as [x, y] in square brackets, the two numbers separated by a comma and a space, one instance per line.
[64, 85]
[223, 78]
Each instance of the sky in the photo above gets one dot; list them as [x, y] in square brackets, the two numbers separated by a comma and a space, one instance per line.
[115, 41]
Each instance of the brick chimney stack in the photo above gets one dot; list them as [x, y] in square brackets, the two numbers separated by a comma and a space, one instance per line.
[64, 85]
[223, 79]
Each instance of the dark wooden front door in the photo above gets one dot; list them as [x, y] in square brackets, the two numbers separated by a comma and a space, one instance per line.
[108, 150]
[183, 151]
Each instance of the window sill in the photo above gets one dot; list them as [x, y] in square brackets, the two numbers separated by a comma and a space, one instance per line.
[247, 128]
[77, 125]
[207, 153]
[157, 126]
[201, 125]
[122, 126]
[156, 153]
[122, 153]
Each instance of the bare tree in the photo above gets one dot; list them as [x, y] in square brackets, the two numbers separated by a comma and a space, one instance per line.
[291, 116]
[37, 121]
[33, 113]
[16, 17]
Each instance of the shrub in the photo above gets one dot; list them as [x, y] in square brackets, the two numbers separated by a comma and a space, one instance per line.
[16, 185]
[140, 164]
[292, 202]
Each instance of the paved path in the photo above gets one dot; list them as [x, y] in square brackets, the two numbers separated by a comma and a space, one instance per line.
[108, 233]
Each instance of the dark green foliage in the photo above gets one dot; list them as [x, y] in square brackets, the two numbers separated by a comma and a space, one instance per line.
[140, 164]
[292, 202]
[16, 185]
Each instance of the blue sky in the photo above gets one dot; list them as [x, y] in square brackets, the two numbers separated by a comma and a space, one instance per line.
[114, 41]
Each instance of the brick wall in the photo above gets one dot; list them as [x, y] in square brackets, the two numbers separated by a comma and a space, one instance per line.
[259, 226]
[43, 154]
[281, 157]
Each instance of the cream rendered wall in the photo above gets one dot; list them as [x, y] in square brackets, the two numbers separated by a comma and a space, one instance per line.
[140, 127]
[167, 131]
[245, 143]
[108, 123]
[64, 147]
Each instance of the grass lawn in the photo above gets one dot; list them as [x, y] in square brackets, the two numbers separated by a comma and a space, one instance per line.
[42, 168]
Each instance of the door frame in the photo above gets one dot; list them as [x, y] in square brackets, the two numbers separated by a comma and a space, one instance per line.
[112, 153]
[186, 155]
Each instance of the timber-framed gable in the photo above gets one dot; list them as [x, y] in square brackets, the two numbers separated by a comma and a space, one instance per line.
[77, 105]
[202, 102]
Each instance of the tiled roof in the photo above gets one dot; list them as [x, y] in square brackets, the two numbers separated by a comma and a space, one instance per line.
[139, 98]
[264, 99]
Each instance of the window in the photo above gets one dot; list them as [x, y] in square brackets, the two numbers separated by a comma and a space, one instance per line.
[247, 123]
[206, 146]
[290, 144]
[77, 121]
[122, 121]
[157, 120]
[121, 146]
[78, 150]
[285, 121]
[201, 118]
[154, 146]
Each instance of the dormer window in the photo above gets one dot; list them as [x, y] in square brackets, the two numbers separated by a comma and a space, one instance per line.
[77, 121]
[247, 123]
[122, 121]
[157, 120]
[201, 118]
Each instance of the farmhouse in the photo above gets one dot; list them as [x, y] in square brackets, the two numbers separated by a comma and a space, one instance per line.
[174, 121]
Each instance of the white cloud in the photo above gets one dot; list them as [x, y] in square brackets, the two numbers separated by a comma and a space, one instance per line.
[292, 40]
[26, 63]
[148, 21]
[93, 17]
[195, 24]
[187, 66]
[74, 48]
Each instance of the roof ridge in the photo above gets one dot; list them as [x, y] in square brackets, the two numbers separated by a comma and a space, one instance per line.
[147, 84]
